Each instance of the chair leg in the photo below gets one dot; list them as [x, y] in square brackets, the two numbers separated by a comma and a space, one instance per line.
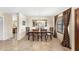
[28, 36]
[51, 37]
[33, 36]
[38, 37]
[41, 36]
[45, 37]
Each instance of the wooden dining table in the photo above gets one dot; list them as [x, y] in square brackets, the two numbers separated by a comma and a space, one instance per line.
[39, 34]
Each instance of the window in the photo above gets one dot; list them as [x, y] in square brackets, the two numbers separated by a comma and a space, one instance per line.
[60, 25]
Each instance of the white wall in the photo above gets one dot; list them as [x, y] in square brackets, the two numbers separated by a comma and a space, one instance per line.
[21, 30]
[72, 28]
[1, 27]
[30, 18]
[14, 18]
[7, 26]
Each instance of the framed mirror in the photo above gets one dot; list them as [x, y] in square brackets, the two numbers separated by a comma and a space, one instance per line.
[40, 23]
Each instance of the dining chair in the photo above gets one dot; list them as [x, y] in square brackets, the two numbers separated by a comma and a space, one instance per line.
[35, 34]
[44, 34]
[27, 30]
[51, 30]
[50, 33]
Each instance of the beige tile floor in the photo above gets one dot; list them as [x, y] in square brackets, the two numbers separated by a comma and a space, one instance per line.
[29, 45]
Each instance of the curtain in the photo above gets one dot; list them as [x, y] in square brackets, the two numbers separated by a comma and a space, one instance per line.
[55, 33]
[66, 38]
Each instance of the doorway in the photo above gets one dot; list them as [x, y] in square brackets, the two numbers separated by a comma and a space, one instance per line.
[14, 28]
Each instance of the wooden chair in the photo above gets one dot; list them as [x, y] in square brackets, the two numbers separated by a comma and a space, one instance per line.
[35, 30]
[27, 30]
[51, 33]
[44, 34]
[14, 30]
[51, 30]
[35, 34]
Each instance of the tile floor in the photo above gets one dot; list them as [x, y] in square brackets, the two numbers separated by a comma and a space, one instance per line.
[29, 45]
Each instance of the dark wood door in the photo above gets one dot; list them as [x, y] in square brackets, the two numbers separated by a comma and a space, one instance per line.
[77, 29]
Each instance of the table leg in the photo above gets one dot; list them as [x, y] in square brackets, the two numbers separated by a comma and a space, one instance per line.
[33, 36]
[46, 37]
[41, 36]
[51, 36]
[38, 36]
[28, 36]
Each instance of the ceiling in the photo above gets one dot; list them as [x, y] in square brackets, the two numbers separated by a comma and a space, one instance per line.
[34, 11]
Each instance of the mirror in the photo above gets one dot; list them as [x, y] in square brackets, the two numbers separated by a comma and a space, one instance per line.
[40, 23]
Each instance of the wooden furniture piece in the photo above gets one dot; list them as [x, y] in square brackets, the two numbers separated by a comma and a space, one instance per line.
[14, 30]
[44, 34]
[49, 35]
[37, 32]
[27, 30]
[51, 30]
[77, 29]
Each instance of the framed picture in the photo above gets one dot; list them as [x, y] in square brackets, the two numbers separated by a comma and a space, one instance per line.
[23, 23]
[60, 24]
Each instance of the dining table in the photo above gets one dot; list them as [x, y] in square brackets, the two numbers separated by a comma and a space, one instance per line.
[39, 34]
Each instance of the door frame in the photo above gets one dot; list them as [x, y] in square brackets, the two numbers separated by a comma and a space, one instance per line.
[76, 28]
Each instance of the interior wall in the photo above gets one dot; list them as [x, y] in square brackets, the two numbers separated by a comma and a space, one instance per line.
[7, 26]
[30, 18]
[1, 27]
[21, 30]
[72, 28]
[14, 17]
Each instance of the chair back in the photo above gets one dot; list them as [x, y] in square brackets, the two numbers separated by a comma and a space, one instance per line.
[51, 29]
[35, 30]
[27, 30]
[44, 30]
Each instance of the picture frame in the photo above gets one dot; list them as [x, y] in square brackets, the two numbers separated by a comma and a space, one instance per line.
[39, 23]
[23, 23]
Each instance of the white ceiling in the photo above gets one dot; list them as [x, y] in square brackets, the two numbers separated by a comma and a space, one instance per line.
[34, 11]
